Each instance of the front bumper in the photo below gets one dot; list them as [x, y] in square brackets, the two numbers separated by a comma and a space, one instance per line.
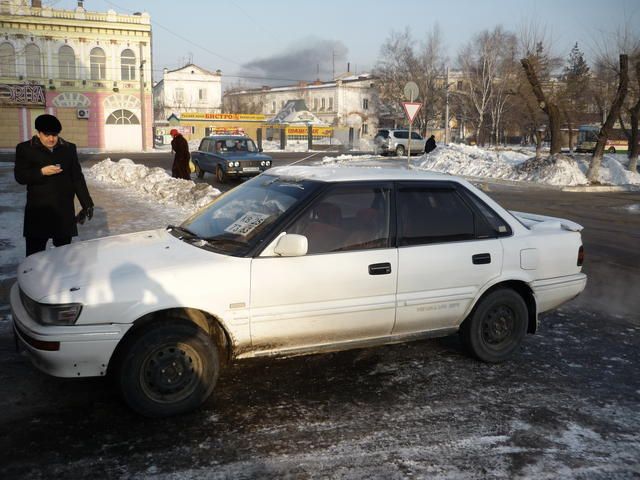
[64, 351]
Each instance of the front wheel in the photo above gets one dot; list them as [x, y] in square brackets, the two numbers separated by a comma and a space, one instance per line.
[168, 368]
[496, 326]
[612, 150]
[199, 171]
[220, 175]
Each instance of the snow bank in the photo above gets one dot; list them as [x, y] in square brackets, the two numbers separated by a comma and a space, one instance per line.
[559, 170]
[154, 183]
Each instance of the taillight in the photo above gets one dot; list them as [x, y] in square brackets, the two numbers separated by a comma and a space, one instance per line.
[580, 255]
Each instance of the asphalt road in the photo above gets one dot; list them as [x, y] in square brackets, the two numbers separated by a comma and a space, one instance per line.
[564, 407]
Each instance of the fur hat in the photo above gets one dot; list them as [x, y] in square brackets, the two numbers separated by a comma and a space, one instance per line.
[48, 124]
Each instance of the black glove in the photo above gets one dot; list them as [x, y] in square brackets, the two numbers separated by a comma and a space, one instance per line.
[85, 214]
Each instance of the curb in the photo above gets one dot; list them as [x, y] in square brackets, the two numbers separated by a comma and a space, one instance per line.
[602, 188]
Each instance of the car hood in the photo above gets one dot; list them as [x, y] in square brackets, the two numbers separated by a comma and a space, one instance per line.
[238, 156]
[70, 268]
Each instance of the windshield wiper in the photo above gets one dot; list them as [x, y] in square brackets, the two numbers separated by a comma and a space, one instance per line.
[182, 230]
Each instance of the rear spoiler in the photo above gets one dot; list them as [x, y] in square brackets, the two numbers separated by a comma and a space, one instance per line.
[543, 222]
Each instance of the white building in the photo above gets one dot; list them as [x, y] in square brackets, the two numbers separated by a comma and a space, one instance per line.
[348, 101]
[187, 89]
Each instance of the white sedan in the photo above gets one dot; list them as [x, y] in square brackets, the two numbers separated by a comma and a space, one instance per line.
[297, 260]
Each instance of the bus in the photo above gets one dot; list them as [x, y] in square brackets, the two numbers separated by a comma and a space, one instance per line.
[588, 137]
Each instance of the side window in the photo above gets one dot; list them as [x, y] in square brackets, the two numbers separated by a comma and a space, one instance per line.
[401, 134]
[498, 226]
[415, 136]
[433, 215]
[346, 219]
[204, 145]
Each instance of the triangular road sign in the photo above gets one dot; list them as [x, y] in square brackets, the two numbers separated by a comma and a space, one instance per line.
[411, 109]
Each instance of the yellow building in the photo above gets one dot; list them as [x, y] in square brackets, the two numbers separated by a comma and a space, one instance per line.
[92, 70]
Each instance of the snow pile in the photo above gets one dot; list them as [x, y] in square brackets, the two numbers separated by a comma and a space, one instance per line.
[558, 170]
[154, 183]
[552, 170]
[469, 161]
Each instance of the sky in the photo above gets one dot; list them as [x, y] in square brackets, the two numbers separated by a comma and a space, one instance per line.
[257, 42]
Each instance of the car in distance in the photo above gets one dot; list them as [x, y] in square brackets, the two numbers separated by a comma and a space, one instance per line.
[299, 260]
[396, 142]
[229, 156]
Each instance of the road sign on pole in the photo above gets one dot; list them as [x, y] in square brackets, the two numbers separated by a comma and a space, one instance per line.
[411, 109]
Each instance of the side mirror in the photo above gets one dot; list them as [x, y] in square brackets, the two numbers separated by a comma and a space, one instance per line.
[291, 245]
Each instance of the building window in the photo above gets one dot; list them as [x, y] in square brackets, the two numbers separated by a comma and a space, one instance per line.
[315, 104]
[128, 64]
[323, 104]
[7, 60]
[331, 104]
[34, 64]
[365, 128]
[98, 64]
[273, 107]
[202, 94]
[459, 85]
[365, 104]
[122, 117]
[179, 95]
[282, 104]
[66, 62]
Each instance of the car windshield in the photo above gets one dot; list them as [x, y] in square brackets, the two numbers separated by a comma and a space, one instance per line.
[238, 220]
[235, 145]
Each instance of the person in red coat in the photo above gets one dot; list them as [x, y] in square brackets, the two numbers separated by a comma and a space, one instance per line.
[48, 165]
[179, 145]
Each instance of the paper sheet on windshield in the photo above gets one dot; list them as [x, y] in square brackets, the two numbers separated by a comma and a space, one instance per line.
[247, 223]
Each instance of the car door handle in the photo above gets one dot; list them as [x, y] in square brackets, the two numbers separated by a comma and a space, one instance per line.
[380, 269]
[481, 258]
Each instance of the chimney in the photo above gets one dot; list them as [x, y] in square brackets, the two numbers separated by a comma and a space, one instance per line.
[348, 67]
[36, 3]
[81, 3]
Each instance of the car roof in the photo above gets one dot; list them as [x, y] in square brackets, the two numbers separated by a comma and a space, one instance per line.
[350, 174]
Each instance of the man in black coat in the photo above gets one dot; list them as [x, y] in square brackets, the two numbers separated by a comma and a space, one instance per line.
[430, 145]
[180, 167]
[49, 167]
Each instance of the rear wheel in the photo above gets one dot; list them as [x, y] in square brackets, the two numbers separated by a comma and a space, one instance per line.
[400, 150]
[168, 368]
[221, 177]
[496, 326]
[199, 171]
[612, 150]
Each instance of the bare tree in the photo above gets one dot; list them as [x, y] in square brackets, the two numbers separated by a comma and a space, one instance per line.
[399, 62]
[605, 131]
[546, 105]
[505, 84]
[635, 115]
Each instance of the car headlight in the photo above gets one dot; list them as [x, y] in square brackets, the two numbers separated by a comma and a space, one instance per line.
[263, 163]
[51, 314]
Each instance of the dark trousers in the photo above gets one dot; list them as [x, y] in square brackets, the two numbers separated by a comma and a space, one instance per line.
[35, 245]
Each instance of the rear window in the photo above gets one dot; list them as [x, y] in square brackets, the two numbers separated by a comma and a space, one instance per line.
[401, 134]
[383, 133]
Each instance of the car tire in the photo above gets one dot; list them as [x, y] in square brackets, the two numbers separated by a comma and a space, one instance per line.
[612, 150]
[400, 150]
[221, 177]
[199, 171]
[167, 368]
[496, 326]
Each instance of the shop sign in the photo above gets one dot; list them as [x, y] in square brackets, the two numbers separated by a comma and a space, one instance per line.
[222, 116]
[22, 94]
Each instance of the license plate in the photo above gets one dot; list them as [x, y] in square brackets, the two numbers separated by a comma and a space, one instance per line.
[251, 169]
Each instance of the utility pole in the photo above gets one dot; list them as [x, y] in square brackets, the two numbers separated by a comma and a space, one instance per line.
[446, 107]
[143, 113]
